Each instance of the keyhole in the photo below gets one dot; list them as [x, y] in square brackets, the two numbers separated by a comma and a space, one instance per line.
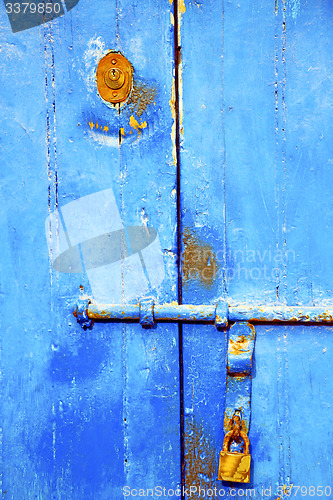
[114, 78]
[114, 74]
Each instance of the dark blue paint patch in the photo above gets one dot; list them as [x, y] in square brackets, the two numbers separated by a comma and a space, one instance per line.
[24, 14]
[70, 4]
[83, 444]
[65, 365]
[104, 125]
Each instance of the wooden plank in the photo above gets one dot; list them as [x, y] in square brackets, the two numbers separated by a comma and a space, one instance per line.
[248, 210]
[85, 413]
[148, 172]
[203, 255]
[309, 152]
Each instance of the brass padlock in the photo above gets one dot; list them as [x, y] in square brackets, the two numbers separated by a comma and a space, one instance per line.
[234, 466]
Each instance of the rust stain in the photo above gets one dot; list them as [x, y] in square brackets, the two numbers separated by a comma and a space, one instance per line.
[199, 261]
[181, 10]
[239, 347]
[228, 423]
[141, 97]
[242, 343]
[325, 316]
[201, 465]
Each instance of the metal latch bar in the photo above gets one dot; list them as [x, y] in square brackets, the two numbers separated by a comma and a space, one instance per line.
[147, 313]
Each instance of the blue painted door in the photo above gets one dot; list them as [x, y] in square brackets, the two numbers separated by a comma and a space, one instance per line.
[212, 180]
[256, 167]
[86, 414]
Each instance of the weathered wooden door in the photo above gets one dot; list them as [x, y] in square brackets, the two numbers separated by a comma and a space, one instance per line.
[224, 151]
[256, 182]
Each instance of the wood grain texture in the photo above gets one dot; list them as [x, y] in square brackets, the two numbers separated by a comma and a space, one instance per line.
[255, 182]
[85, 413]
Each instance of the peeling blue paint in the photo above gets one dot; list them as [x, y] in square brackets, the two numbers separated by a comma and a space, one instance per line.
[295, 8]
[85, 413]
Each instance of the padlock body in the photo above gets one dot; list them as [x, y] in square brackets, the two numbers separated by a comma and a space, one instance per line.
[234, 467]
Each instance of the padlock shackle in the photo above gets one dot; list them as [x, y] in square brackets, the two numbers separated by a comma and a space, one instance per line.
[229, 436]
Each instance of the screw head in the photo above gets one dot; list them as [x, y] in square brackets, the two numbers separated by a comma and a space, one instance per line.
[113, 61]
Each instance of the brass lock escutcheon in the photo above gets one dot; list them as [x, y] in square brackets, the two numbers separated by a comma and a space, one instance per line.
[114, 77]
[234, 466]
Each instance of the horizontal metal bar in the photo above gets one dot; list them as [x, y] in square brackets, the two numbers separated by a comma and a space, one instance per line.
[114, 311]
[184, 312]
[162, 312]
[147, 312]
[273, 313]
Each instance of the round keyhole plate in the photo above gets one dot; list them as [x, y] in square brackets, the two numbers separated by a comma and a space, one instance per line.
[114, 77]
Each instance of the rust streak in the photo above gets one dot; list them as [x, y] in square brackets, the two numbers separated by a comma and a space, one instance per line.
[199, 261]
[201, 465]
[239, 347]
[141, 97]
[228, 423]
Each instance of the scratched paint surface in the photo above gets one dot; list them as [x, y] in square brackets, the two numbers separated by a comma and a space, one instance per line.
[85, 413]
[256, 158]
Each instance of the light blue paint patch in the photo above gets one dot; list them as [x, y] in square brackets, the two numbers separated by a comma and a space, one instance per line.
[295, 8]
[121, 262]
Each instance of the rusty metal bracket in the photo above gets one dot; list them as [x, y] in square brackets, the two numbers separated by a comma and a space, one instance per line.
[81, 312]
[239, 370]
[235, 465]
[147, 313]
